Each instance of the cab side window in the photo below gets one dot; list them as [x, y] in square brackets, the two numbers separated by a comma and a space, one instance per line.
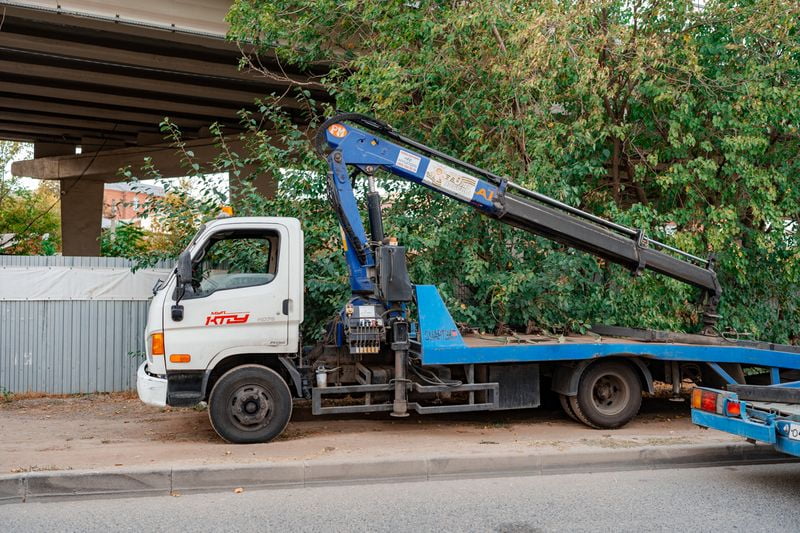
[233, 260]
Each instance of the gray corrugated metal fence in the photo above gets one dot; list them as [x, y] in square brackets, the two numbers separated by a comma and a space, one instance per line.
[70, 346]
[68, 261]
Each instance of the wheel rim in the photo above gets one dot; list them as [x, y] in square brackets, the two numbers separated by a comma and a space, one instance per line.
[610, 394]
[250, 407]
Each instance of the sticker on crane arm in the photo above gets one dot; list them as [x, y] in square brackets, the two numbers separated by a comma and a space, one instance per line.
[337, 130]
[408, 161]
[450, 180]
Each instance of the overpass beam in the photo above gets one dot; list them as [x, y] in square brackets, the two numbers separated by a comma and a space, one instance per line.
[106, 165]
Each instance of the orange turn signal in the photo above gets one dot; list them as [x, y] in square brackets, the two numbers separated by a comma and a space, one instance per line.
[157, 343]
[180, 358]
[697, 396]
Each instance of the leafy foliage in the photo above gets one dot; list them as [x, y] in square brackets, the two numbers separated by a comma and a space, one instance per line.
[29, 218]
[126, 240]
[653, 114]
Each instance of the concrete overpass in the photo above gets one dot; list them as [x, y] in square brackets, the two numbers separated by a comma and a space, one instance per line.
[102, 75]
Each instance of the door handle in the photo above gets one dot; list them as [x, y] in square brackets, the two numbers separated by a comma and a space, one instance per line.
[286, 307]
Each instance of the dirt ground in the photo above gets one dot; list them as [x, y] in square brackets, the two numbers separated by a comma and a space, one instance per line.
[116, 430]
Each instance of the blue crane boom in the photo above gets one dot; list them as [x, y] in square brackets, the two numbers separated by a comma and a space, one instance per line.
[378, 146]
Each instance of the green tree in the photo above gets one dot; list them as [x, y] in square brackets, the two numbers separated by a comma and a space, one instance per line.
[655, 114]
[125, 240]
[29, 219]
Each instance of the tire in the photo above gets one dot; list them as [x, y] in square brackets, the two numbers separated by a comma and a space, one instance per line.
[565, 405]
[250, 404]
[609, 395]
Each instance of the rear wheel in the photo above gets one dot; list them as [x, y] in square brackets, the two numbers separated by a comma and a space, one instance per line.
[249, 404]
[609, 395]
[565, 405]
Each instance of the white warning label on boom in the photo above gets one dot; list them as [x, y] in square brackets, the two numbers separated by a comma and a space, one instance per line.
[407, 161]
[450, 180]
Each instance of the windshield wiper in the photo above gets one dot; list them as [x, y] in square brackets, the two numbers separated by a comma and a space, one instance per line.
[157, 287]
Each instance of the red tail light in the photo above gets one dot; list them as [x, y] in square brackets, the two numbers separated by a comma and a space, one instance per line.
[708, 402]
[733, 408]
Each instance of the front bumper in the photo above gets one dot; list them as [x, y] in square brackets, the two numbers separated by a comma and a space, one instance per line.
[152, 390]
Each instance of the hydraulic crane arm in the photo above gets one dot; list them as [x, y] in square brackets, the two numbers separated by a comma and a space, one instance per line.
[378, 146]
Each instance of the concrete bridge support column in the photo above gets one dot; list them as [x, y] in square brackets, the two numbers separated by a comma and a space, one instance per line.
[265, 185]
[81, 207]
[81, 216]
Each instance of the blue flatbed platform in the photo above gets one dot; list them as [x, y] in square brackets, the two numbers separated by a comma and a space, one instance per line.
[441, 343]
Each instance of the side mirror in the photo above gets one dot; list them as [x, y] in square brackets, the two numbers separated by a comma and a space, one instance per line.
[184, 268]
[177, 313]
[184, 278]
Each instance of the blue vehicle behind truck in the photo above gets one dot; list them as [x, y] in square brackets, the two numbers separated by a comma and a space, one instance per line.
[230, 337]
[768, 414]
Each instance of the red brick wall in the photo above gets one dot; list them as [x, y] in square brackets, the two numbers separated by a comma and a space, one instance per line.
[124, 201]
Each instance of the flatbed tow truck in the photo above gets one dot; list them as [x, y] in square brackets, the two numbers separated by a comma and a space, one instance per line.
[224, 328]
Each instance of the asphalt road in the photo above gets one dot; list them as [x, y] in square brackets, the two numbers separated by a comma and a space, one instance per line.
[747, 498]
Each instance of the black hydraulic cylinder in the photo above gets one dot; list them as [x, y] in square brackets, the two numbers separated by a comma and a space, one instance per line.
[400, 404]
[375, 216]
[588, 237]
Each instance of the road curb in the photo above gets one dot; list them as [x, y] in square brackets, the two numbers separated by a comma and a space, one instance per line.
[74, 484]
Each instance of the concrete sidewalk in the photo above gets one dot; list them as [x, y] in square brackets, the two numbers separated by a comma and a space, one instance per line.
[168, 480]
[106, 445]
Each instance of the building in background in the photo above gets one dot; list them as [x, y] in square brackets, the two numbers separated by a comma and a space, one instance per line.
[123, 202]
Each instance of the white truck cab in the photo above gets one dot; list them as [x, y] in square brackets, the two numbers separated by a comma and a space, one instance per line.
[244, 304]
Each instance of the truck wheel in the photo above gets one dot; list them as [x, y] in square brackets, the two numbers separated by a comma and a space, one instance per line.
[564, 399]
[609, 395]
[250, 404]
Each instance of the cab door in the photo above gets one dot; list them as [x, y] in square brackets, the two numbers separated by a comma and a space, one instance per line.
[238, 300]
